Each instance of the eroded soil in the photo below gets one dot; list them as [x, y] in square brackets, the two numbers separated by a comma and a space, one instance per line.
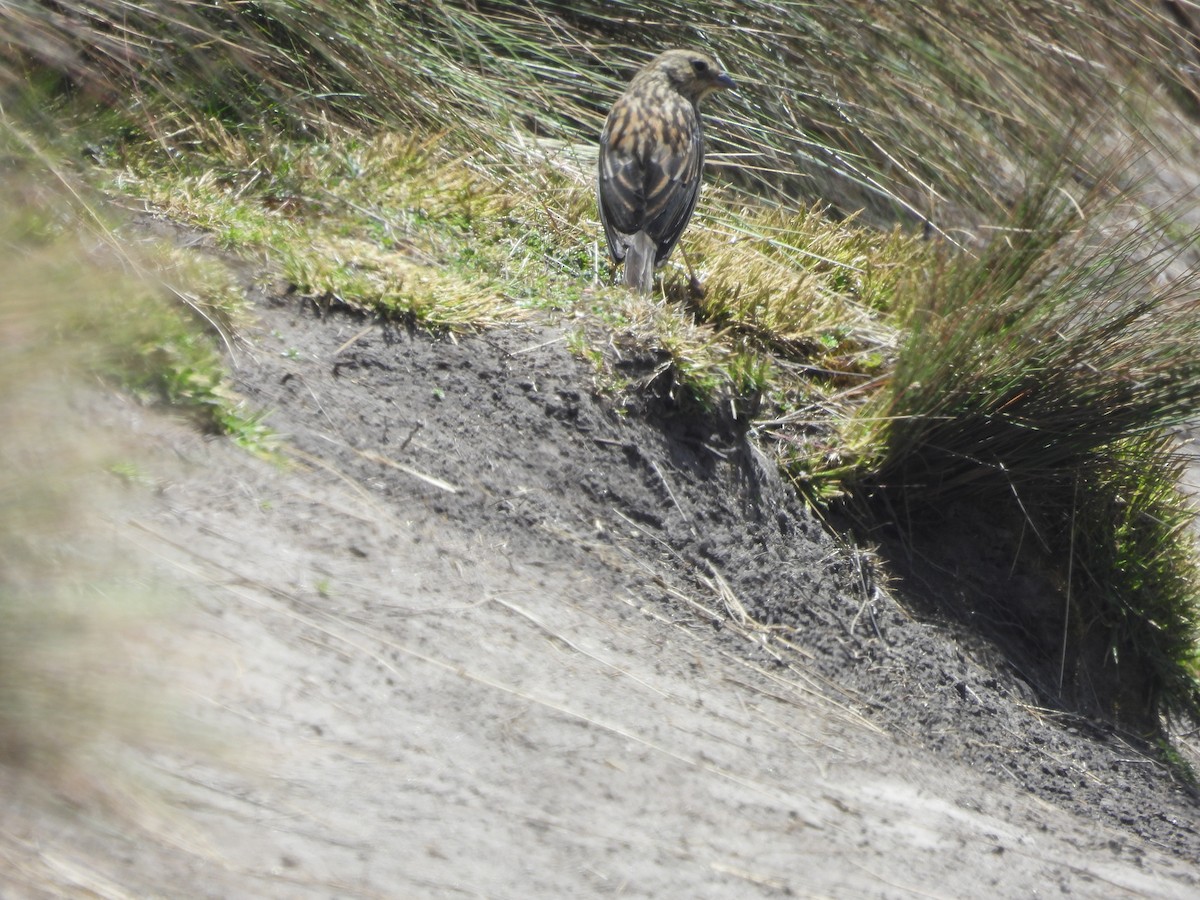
[489, 636]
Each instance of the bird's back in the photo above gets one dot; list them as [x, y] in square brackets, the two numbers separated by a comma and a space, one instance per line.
[651, 158]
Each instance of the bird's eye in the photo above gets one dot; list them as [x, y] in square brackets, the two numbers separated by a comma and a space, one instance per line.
[699, 66]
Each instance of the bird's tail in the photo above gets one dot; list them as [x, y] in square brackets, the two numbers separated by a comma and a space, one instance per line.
[639, 263]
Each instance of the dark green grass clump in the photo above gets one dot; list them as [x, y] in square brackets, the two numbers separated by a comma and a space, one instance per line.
[1041, 383]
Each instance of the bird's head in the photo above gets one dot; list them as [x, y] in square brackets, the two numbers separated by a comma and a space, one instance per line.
[693, 73]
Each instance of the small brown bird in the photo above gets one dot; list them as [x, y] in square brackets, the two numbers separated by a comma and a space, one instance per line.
[651, 158]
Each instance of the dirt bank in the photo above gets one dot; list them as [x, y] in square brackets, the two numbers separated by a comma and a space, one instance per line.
[491, 637]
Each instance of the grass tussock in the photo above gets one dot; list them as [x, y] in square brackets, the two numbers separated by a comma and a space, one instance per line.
[1045, 378]
[1010, 355]
[1030, 343]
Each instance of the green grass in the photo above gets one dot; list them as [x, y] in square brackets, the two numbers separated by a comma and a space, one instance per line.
[913, 110]
[1041, 381]
[390, 227]
[934, 268]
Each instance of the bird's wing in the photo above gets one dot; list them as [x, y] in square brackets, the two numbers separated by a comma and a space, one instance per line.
[673, 180]
[622, 181]
[651, 157]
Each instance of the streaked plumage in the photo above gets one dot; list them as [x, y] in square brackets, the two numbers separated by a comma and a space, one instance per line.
[651, 160]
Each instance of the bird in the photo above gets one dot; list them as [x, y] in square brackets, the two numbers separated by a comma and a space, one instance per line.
[651, 159]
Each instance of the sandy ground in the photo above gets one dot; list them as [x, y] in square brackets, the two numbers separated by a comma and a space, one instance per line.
[487, 637]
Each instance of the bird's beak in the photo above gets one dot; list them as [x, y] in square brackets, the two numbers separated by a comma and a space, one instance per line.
[724, 81]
